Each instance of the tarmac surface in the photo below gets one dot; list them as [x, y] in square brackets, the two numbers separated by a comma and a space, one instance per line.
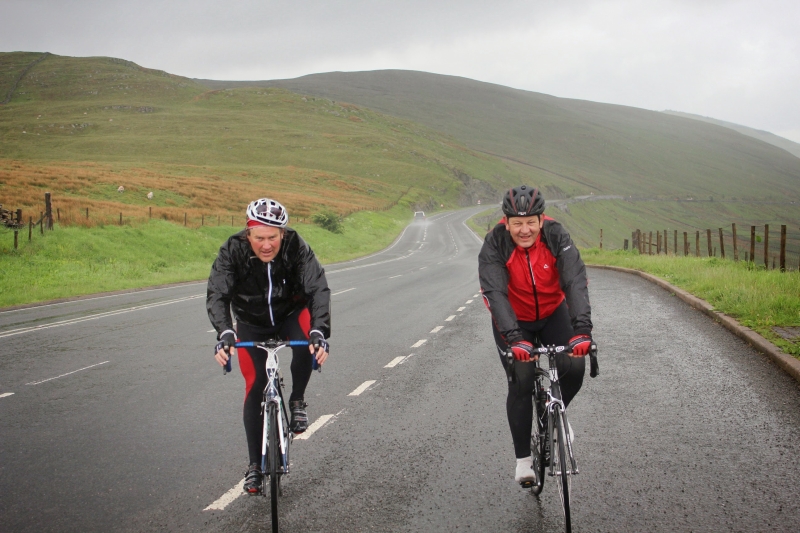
[114, 416]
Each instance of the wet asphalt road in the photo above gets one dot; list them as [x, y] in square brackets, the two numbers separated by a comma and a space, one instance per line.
[686, 429]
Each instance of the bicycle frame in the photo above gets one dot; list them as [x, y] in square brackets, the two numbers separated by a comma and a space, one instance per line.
[273, 394]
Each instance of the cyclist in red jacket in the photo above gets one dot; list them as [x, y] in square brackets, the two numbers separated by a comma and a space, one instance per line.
[534, 282]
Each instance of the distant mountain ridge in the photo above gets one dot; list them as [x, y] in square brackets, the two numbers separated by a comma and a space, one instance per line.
[578, 146]
[775, 140]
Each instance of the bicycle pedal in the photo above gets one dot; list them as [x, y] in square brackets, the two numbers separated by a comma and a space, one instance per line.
[526, 484]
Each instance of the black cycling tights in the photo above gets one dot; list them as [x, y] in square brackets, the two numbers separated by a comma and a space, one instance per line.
[553, 330]
[253, 362]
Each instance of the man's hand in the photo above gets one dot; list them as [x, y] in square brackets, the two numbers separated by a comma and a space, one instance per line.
[224, 349]
[523, 351]
[318, 346]
[579, 345]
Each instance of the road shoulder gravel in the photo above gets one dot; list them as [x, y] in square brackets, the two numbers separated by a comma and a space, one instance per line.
[786, 362]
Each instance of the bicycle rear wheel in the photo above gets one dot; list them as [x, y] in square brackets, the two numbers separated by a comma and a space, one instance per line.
[562, 466]
[538, 438]
[274, 462]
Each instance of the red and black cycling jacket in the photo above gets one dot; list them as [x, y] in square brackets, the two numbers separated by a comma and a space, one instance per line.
[529, 284]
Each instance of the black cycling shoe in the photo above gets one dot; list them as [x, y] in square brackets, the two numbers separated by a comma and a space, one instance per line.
[299, 421]
[252, 479]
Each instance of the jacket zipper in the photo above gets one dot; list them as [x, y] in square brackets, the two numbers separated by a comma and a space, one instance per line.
[533, 284]
[269, 296]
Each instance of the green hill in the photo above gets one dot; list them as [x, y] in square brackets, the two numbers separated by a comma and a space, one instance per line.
[582, 147]
[102, 122]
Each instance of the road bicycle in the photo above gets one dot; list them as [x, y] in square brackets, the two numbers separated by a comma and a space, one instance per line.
[551, 438]
[276, 437]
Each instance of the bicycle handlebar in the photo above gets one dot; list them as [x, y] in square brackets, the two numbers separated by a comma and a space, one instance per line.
[594, 368]
[272, 343]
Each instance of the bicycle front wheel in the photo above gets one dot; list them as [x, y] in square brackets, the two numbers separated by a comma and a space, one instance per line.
[274, 462]
[562, 466]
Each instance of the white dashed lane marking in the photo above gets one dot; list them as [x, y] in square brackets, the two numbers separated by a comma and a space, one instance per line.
[67, 374]
[461, 309]
[227, 498]
[469, 301]
[344, 291]
[313, 428]
[396, 361]
[436, 329]
[361, 388]
[448, 319]
[6, 394]
[419, 343]
[475, 295]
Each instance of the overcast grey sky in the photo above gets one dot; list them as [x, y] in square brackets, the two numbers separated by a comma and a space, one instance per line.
[735, 60]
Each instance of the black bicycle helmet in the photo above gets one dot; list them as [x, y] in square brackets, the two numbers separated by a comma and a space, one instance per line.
[523, 201]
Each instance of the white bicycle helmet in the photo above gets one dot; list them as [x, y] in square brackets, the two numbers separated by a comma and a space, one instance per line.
[269, 212]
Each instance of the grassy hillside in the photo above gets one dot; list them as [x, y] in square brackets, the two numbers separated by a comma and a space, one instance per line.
[577, 146]
[769, 138]
[80, 127]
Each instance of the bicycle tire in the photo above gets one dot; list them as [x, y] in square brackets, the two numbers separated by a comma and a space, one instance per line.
[538, 447]
[562, 470]
[273, 460]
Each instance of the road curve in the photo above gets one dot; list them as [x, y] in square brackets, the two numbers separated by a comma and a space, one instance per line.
[114, 417]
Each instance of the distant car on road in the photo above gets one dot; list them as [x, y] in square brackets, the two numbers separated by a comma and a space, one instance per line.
[419, 214]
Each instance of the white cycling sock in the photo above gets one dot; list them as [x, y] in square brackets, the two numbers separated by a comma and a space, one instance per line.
[524, 470]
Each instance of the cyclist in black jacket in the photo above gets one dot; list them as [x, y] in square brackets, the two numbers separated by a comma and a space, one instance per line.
[276, 287]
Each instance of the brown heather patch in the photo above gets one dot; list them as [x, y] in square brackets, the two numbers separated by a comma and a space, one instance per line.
[76, 185]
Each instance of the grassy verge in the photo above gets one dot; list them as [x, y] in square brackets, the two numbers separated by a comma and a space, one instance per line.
[757, 298]
[72, 261]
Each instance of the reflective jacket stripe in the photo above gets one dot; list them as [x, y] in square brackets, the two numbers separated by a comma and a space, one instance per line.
[269, 296]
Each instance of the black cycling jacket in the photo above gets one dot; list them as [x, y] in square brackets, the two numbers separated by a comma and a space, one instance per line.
[494, 277]
[265, 294]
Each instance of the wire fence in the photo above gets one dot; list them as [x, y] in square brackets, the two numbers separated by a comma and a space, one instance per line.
[771, 246]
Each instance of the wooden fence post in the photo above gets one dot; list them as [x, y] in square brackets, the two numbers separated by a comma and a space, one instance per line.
[783, 248]
[721, 245]
[184, 218]
[601, 238]
[30, 229]
[766, 245]
[625, 245]
[708, 234]
[219, 220]
[120, 219]
[685, 243]
[16, 239]
[658, 243]
[48, 210]
[19, 216]
[87, 213]
[150, 215]
[676, 243]
[202, 220]
[735, 245]
[650, 243]
[41, 222]
[231, 220]
[753, 244]
[666, 247]
[697, 243]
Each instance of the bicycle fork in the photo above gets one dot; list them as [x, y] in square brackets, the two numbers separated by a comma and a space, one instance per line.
[556, 409]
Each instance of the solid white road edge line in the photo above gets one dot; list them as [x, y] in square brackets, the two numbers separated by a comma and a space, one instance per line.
[393, 363]
[7, 394]
[344, 291]
[94, 317]
[318, 423]
[419, 343]
[437, 329]
[67, 374]
[448, 319]
[361, 388]
[227, 498]
[397, 276]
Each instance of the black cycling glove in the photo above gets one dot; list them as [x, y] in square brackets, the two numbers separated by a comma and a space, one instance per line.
[226, 340]
[317, 340]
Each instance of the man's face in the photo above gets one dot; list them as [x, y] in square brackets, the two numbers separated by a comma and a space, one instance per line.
[265, 241]
[524, 230]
